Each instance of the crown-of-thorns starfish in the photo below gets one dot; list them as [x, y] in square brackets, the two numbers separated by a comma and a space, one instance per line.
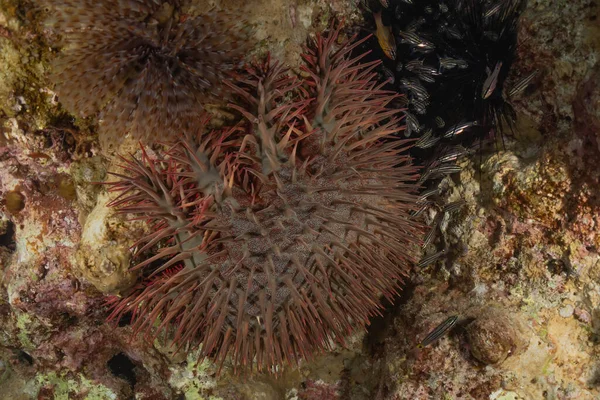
[274, 239]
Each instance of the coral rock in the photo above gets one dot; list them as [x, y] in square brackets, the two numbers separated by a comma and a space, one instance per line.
[494, 336]
[102, 259]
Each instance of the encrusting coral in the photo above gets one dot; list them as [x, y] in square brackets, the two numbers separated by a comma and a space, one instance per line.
[145, 65]
[273, 239]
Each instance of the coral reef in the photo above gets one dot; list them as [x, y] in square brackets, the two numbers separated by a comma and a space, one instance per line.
[524, 245]
[278, 235]
[146, 65]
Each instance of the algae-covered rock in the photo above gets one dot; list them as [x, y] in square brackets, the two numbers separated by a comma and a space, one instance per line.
[494, 336]
[63, 387]
[104, 256]
[24, 59]
[87, 173]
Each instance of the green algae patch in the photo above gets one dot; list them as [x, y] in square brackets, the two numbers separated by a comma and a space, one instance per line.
[504, 395]
[96, 392]
[194, 380]
[23, 325]
[64, 387]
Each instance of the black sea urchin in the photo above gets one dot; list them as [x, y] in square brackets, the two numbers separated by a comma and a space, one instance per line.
[451, 60]
[278, 236]
[144, 64]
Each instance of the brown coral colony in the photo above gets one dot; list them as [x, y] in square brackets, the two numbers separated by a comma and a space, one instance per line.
[145, 65]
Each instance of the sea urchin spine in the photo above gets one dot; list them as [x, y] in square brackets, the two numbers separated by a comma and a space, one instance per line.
[284, 230]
